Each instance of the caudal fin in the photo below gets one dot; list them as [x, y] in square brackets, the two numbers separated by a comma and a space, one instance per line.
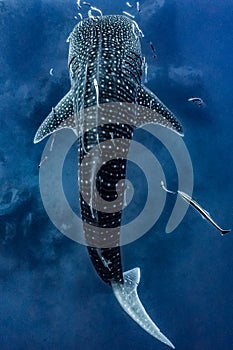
[127, 296]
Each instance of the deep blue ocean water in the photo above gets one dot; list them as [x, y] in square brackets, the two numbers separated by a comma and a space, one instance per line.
[50, 295]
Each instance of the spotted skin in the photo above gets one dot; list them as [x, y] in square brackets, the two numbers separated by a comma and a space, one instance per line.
[107, 50]
[105, 64]
[62, 116]
[107, 178]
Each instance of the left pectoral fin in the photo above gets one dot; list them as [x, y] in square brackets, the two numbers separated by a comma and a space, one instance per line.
[62, 116]
[156, 112]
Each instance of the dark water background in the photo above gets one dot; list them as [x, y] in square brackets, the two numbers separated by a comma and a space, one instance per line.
[50, 296]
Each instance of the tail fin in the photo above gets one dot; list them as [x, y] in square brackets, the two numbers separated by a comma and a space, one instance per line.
[127, 296]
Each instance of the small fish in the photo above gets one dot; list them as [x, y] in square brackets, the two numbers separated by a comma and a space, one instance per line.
[51, 72]
[97, 10]
[52, 142]
[86, 3]
[146, 72]
[42, 161]
[138, 6]
[78, 4]
[153, 49]
[202, 211]
[196, 206]
[197, 100]
[90, 15]
[165, 189]
[81, 16]
[128, 4]
[139, 30]
[105, 262]
[128, 14]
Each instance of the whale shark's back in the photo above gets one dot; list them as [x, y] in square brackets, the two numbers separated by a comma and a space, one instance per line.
[108, 50]
[105, 66]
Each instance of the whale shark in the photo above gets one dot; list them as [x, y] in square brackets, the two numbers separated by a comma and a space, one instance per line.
[106, 67]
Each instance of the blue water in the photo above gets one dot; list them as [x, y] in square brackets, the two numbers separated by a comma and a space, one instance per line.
[50, 296]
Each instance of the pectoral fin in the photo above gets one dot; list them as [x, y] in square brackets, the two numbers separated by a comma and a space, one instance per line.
[62, 116]
[156, 112]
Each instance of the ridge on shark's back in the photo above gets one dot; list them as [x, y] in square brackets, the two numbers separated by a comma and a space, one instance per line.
[105, 64]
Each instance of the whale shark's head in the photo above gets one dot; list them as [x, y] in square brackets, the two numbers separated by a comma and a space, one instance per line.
[111, 42]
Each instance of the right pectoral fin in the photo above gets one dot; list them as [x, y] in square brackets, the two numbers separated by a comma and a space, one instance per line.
[156, 112]
[62, 116]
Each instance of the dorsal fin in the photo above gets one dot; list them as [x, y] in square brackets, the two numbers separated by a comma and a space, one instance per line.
[162, 115]
[62, 116]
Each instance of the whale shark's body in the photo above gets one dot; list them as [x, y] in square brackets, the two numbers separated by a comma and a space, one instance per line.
[105, 64]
